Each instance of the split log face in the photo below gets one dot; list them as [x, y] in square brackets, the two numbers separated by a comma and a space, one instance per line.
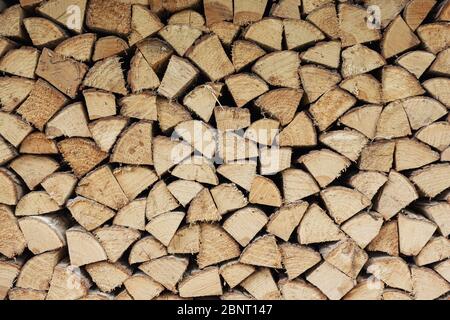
[224, 149]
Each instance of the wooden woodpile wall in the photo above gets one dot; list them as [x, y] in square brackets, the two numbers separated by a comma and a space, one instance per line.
[239, 149]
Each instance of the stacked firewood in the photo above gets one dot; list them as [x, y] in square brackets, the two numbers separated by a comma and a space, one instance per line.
[239, 149]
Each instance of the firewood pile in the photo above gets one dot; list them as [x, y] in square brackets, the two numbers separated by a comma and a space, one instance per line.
[233, 149]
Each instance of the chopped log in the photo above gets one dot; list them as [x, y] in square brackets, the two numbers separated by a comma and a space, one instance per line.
[327, 54]
[412, 154]
[146, 249]
[441, 65]
[279, 69]
[100, 185]
[229, 118]
[246, 12]
[89, 214]
[141, 76]
[364, 87]
[241, 173]
[298, 259]
[427, 284]
[444, 12]
[228, 197]
[359, 59]
[60, 186]
[170, 114]
[218, 10]
[34, 169]
[144, 23]
[233, 147]
[326, 19]
[434, 36]
[37, 272]
[160, 200]
[245, 87]
[324, 165]
[12, 240]
[438, 212]
[107, 75]
[197, 169]
[332, 282]
[398, 38]
[317, 80]
[432, 179]
[203, 208]
[364, 119]
[286, 9]
[9, 270]
[44, 233]
[226, 31]
[164, 226]
[115, 240]
[201, 137]
[317, 227]
[38, 143]
[388, 9]
[436, 88]
[156, 52]
[259, 31]
[202, 99]
[43, 32]
[43, 102]
[363, 228]
[79, 47]
[435, 135]
[132, 215]
[416, 62]
[443, 269]
[378, 156]
[297, 185]
[142, 106]
[179, 75]
[263, 131]
[111, 17]
[36, 203]
[27, 56]
[397, 193]
[11, 20]
[262, 252]
[60, 12]
[398, 84]
[108, 276]
[387, 239]
[109, 46]
[134, 145]
[235, 272]
[185, 240]
[245, 53]
[423, 111]
[300, 33]
[99, 103]
[200, 283]
[216, 245]
[69, 122]
[188, 17]
[299, 290]
[11, 186]
[264, 191]
[13, 91]
[114, 126]
[280, 104]
[7, 152]
[349, 143]
[414, 232]
[142, 287]
[83, 247]
[261, 285]
[180, 37]
[437, 249]
[68, 283]
[393, 271]
[244, 224]
[133, 180]
[366, 289]
[167, 270]
[184, 190]
[343, 203]
[274, 160]
[368, 182]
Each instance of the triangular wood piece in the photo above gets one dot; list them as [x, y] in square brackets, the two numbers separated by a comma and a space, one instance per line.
[99, 103]
[286, 9]
[107, 75]
[180, 37]
[116, 240]
[364, 119]
[109, 17]
[132, 215]
[134, 146]
[172, 85]
[108, 276]
[83, 247]
[203, 208]
[422, 111]
[349, 143]
[437, 249]
[427, 284]
[156, 52]
[34, 169]
[416, 62]
[438, 212]
[298, 184]
[186, 240]
[13, 91]
[331, 281]
[377, 156]
[300, 33]
[184, 191]
[393, 122]
[12, 240]
[167, 153]
[226, 31]
[299, 290]
[106, 130]
[363, 228]
[36, 203]
[246, 11]
[343, 203]
[310, 5]
[235, 272]
[365, 87]
[166, 270]
[326, 19]
[59, 11]
[228, 197]
[261, 285]
[434, 36]
[244, 224]
[245, 87]
[393, 271]
[258, 32]
[78, 47]
[68, 284]
[327, 54]
[399, 84]
[264, 191]
[436, 87]
[441, 65]
[29, 57]
[196, 168]
[412, 154]
[194, 284]
[317, 80]
[144, 23]
[280, 104]
[146, 249]
[60, 186]
[262, 252]
[160, 200]
[263, 131]
[141, 76]
[433, 179]
[134, 179]
[43, 32]
[170, 113]
[108, 46]
[229, 118]
[244, 53]
[387, 239]
[11, 22]
[241, 173]
[298, 259]
[398, 38]
[141, 287]
[38, 143]
[360, 59]
[283, 222]
[89, 214]
[279, 69]
[140, 106]
[69, 122]
[202, 99]
[368, 182]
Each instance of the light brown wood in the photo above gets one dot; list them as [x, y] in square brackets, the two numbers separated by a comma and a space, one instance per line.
[436, 88]
[326, 19]
[261, 285]
[317, 80]
[67, 283]
[164, 226]
[386, 240]
[432, 179]
[298, 259]
[78, 47]
[324, 53]
[142, 287]
[270, 103]
[107, 75]
[13, 91]
[29, 60]
[34, 169]
[299, 290]
[108, 276]
[244, 224]
[434, 36]
[83, 247]
[297, 185]
[391, 270]
[201, 283]
[245, 87]
[259, 31]
[359, 59]
[427, 284]
[108, 46]
[244, 53]
[279, 69]
[13, 242]
[235, 272]
[38, 143]
[167, 270]
[146, 249]
[416, 62]
[43, 32]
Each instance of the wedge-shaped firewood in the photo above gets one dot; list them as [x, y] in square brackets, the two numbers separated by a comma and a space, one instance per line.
[387, 239]
[108, 276]
[44, 233]
[286, 9]
[378, 156]
[368, 182]
[437, 249]
[245, 87]
[444, 12]
[67, 283]
[84, 248]
[99, 104]
[37, 272]
[28, 58]
[34, 169]
[170, 114]
[262, 252]
[11, 22]
[226, 31]
[363, 228]
[244, 53]
[412, 154]
[111, 17]
[167, 153]
[330, 107]
[146, 249]
[229, 118]
[132, 215]
[443, 269]
[89, 214]
[366, 289]
[201, 136]
[60, 186]
[359, 59]
[79, 47]
[393, 122]
[281, 104]
[180, 36]
[144, 23]
[142, 106]
[188, 17]
[142, 287]
[364, 119]
[141, 76]
[433, 179]
[179, 75]
[332, 282]
[427, 284]
[164, 226]
[327, 54]
[200, 283]
[422, 111]
[42, 103]
[300, 33]
[441, 65]
[228, 197]
[398, 38]
[298, 184]
[396, 194]
[398, 84]
[388, 9]
[436, 87]
[233, 147]
[198, 169]
[133, 180]
[116, 240]
[9, 270]
[259, 31]
[299, 290]
[438, 212]
[109, 46]
[184, 190]
[241, 173]
[135, 144]
[100, 185]
[36, 203]
[13, 91]
[185, 240]
[58, 11]
[202, 99]
[310, 5]
[82, 154]
[7, 152]
[317, 80]
[283, 222]
[26, 294]
[326, 19]
[43, 32]
[167, 270]
[160, 200]
[209, 55]
[317, 227]
[246, 11]
[298, 259]
[106, 130]
[353, 26]
[435, 135]
[324, 165]
[393, 271]
[156, 52]
[274, 160]
[203, 208]
[235, 272]
[261, 285]
[434, 36]
[346, 256]
[12, 240]
[38, 143]
[263, 131]
[244, 224]
[264, 191]
[69, 122]
[349, 143]
[364, 87]
[107, 75]
[215, 246]
[279, 69]
[416, 62]
[218, 10]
